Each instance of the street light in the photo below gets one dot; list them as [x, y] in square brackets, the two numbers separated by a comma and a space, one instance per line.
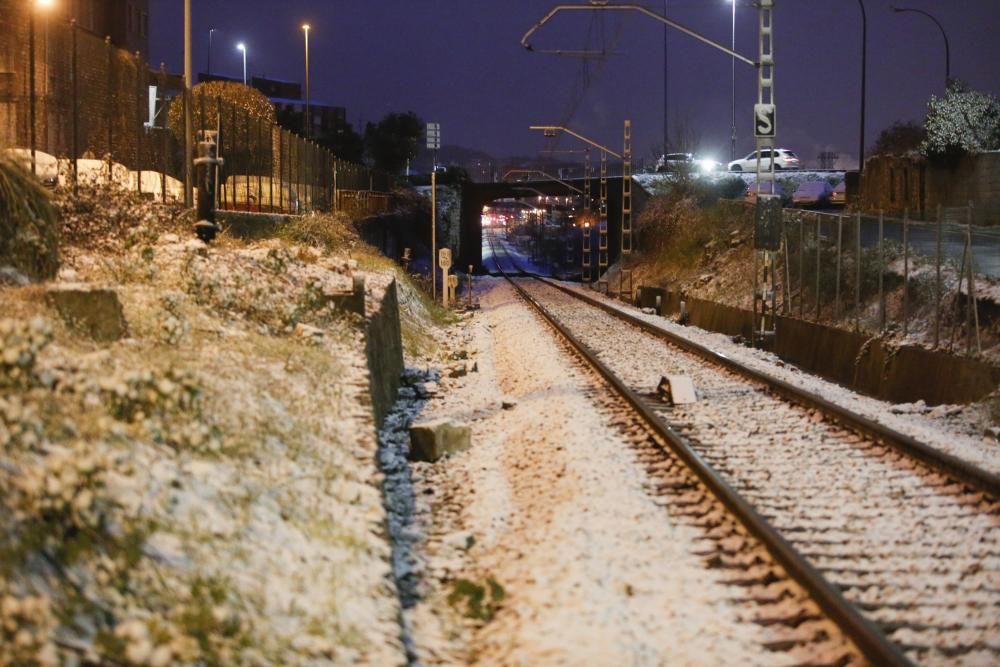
[308, 119]
[208, 67]
[864, 62]
[947, 50]
[732, 94]
[42, 5]
[243, 47]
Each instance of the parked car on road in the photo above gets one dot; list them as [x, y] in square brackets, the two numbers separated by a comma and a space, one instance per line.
[838, 196]
[686, 162]
[783, 159]
[766, 187]
[812, 193]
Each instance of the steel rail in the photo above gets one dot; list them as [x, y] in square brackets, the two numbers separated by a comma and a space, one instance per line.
[866, 636]
[948, 464]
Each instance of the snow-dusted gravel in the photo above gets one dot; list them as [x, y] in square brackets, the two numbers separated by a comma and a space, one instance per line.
[552, 509]
[919, 555]
[940, 427]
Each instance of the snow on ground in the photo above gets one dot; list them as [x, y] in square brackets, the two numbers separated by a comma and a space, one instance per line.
[942, 427]
[547, 519]
[221, 456]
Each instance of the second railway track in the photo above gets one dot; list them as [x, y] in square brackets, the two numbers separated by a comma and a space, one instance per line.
[891, 547]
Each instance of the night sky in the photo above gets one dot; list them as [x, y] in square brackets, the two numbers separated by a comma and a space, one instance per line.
[460, 63]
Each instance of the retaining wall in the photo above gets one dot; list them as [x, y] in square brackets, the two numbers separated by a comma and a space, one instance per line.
[899, 374]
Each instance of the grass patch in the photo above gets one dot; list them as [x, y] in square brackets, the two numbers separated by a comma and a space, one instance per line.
[476, 601]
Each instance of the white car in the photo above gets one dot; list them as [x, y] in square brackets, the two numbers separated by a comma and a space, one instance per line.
[686, 162]
[783, 159]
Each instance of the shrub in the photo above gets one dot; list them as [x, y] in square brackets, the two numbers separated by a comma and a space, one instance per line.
[28, 223]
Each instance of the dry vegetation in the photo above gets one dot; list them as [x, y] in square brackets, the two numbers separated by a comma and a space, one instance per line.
[698, 244]
[204, 490]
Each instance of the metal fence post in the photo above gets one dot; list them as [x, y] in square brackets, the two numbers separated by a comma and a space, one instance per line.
[109, 105]
[248, 147]
[937, 281]
[819, 246]
[881, 271]
[259, 152]
[166, 138]
[336, 194]
[270, 168]
[840, 247]
[906, 271]
[75, 123]
[857, 273]
[802, 267]
[220, 187]
[281, 170]
[973, 304]
[138, 124]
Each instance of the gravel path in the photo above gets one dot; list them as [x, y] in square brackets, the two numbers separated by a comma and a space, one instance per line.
[580, 524]
[919, 555]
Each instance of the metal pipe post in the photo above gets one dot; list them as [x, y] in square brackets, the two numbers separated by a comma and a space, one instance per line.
[138, 124]
[74, 74]
[937, 280]
[881, 271]
[819, 246]
[857, 273]
[109, 106]
[840, 247]
[906, 271]
[188, 135]
[434, 235]
[31, 86]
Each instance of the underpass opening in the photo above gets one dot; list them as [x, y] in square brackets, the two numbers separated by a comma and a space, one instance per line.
[479, 197]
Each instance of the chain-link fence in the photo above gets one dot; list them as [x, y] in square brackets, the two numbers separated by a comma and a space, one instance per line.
[95, 113]
[887, 273]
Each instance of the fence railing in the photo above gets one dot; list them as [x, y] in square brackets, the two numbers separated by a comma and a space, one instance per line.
[90, 122]
[886, 273]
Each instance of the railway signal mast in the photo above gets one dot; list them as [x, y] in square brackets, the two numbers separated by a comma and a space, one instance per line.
[767, 219]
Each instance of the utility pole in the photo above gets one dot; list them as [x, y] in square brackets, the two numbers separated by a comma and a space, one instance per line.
[188, 101]
[208, 64]
[864, 64]
[308, 120]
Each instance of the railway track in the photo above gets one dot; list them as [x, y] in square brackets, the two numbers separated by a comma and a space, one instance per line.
[898, 545]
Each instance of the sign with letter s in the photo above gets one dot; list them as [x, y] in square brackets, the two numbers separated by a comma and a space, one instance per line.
[763, 121]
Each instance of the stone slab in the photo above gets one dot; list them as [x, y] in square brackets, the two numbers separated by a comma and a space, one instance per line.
[434, 439]
[93, 311]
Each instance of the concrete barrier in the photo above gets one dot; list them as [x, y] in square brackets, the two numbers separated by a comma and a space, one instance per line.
[899, 374]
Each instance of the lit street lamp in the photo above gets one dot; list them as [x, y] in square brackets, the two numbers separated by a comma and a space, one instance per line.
[864, 62]
[243, 47]
[208, 67]
[308, 118]
[42, 5]
[732, 94]
[947, 50]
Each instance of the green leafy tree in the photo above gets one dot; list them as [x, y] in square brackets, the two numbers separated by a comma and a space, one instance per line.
[344, 142]
[964, 121]
[393, 141]
[900, 139]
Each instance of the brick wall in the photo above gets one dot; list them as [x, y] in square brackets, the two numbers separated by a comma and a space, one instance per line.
[111, 94]
[893, 184]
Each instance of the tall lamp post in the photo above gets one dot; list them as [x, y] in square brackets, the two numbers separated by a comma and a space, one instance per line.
[208, 67]
[732, 94]
[947, 50]
[307, 124]
[243, 48]
[42, 5]
[864, 62]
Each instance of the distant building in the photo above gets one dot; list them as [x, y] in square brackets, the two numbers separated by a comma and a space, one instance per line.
[290, 106]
